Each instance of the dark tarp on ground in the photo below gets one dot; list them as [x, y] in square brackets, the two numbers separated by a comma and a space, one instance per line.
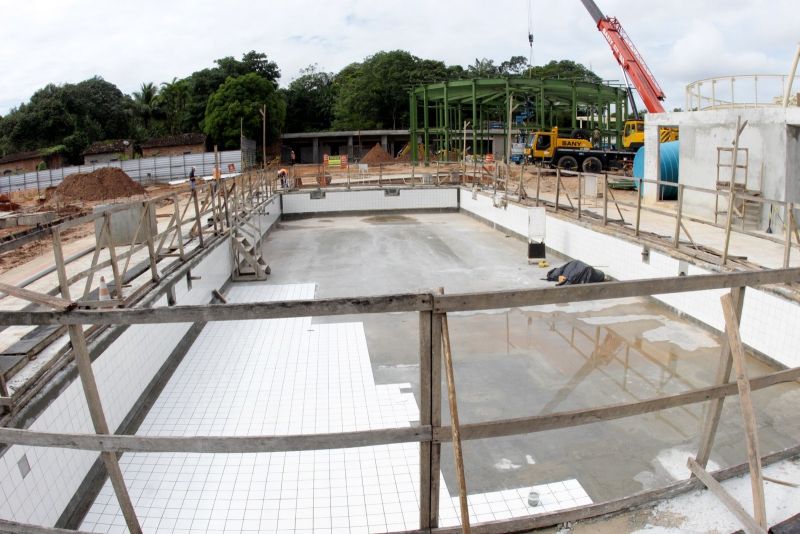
[576, 272]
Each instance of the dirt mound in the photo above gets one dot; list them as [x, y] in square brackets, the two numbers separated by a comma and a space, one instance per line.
[6, 204]
[377, 155]
[102, 184]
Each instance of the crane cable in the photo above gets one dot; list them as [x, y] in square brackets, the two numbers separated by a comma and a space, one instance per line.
[530, 38]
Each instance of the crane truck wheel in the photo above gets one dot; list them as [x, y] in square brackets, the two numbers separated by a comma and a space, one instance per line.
[581, 133]
[592, 165]
[568, 163]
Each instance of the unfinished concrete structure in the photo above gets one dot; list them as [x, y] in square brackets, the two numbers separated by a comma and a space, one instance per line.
[768, 163]
[315, 400]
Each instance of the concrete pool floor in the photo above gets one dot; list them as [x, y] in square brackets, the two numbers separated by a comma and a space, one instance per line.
[524, 362]
[329, 374]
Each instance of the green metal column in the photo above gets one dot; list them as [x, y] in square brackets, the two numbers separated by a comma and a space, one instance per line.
[542, 127]
[446, 122]
[480, 131]
[474, 120]
[574, 106]
[426, 134]
[618, 112]
[506, 122]
[412, 97]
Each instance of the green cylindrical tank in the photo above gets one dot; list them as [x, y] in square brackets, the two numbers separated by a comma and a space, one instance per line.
[669, 159]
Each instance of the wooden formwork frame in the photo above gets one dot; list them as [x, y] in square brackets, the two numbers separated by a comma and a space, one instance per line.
[430, 433]
[104, 239]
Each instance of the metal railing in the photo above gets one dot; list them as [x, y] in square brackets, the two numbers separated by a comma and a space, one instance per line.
[509, 184]
[729, 92]
[218, 199]
[199, 216]
[430, 433]
[160, 169]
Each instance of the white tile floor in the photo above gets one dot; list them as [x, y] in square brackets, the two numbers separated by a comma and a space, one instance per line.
[288, 376]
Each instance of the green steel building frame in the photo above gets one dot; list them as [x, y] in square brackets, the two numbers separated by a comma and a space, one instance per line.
[442, 108]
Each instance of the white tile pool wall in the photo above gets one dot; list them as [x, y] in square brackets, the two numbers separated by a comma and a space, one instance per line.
[123, 371]
[770, 324]
[371, 200]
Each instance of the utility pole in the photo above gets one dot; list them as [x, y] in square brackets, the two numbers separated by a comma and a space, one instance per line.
[263, 112]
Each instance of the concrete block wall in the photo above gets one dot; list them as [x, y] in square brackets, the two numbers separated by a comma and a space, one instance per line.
[770, 323]
[769, 136]
[371, 200]
[123, 371]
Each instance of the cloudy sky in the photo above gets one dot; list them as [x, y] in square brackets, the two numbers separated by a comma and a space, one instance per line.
[128, 43]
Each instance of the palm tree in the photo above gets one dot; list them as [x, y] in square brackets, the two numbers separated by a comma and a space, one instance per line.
[146, 103]
[173, 98]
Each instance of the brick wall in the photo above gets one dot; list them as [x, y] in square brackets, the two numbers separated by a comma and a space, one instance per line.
[173, 150]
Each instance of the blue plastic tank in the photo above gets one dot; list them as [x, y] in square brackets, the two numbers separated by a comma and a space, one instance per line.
[670, 159]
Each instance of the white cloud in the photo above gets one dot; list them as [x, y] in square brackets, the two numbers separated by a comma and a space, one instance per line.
[128, 43]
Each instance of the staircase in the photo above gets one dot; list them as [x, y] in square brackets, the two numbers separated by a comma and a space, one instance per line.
[248, 263]
[746, 212]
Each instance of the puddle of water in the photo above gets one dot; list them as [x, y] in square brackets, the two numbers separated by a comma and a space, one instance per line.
[390, 219]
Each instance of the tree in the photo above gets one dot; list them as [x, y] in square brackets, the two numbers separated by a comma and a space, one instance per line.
[203, 83]
[239, 99]
[73, 115]
[172, 101]
[309, 101]
[145, 105]
[100, 109]
[374, 94]
[565, 70]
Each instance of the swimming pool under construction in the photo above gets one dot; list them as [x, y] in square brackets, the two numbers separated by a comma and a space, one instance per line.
[313, 395]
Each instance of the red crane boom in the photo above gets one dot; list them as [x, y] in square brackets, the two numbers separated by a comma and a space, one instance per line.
[628, 58]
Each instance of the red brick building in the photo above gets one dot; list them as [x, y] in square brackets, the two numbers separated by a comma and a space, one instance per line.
[109, 150]
[22, 162]
[174, 145]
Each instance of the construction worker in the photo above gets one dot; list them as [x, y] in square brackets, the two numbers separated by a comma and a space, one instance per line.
[282, 174]
[192, 179]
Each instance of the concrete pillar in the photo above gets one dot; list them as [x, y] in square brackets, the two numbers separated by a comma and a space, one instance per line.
[498, 145]
[652, 162]
[385, 142]
[350, 147]
[315, 150]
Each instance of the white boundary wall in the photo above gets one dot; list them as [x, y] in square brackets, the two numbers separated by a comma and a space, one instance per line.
[143, 170]
[770, 323]
[123, 371]
[371, 200]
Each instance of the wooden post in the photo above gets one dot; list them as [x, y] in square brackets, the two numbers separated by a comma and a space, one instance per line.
[580, 193]
[179, 224]
[454, 424]
[78, 341]
[731, 194]
[714, 411]
[605, 199]
[558, 186]
[197, 220]
[729, 502]
[151, 247]
[538, 183]
[639, 193]
[787, 247]
[746, 404]
[112, 254]
[430, 344]
[676, 239]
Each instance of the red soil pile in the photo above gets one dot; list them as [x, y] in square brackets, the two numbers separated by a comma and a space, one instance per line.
[377, 155]
[105, 183]
[6, 204]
